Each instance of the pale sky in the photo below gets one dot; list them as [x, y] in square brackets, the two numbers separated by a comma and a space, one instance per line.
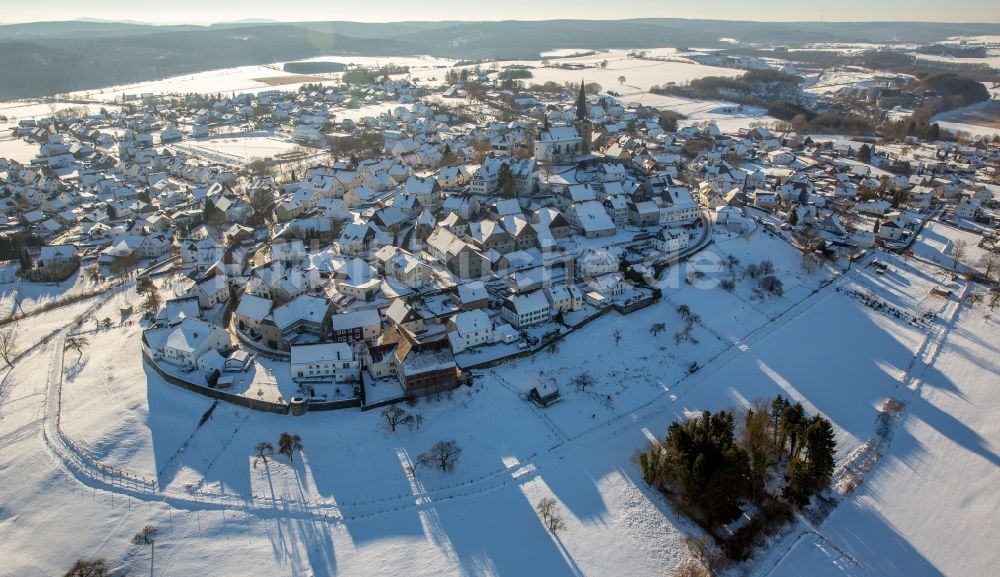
[207, 11]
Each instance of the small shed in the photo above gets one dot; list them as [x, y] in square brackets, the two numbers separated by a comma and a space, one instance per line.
[238, 361]
[544, 392]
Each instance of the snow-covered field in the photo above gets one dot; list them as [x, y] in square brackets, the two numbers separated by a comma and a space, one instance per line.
[982, 119]
[252, 78]
[237, 148]
[833, 80]
[23, 297]
[20, 109]
[929, 506]
[239, 79]
[822, 347]
[17, 148]
[640, 75]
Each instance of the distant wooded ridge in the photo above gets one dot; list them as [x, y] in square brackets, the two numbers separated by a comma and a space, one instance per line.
[47, 58]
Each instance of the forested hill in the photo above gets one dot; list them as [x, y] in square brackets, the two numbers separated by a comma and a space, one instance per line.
[51, 57]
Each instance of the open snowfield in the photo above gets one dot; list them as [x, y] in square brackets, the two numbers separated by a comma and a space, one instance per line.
[992, 58]
[347, 504]
[253, 79]
[21, 109]
[640, 75]
[834, 80]
[928, 507]
[236, 149]
[981, 119]
[17, 148]
[239, 79]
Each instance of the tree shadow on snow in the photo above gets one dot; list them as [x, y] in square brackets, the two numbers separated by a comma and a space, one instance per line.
[870, 539]
[181, 441]
[500, 534]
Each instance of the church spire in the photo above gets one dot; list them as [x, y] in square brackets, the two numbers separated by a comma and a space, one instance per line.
[581, 104]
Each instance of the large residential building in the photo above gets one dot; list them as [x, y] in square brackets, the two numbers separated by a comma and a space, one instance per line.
[526, 310]
[324, 362]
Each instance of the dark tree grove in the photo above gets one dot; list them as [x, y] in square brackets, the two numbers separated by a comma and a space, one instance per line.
[717, 466]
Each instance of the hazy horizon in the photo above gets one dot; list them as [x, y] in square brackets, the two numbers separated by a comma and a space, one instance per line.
[387, 11]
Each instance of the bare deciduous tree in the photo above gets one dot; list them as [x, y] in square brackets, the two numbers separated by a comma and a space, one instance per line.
[263, 448]
[443, 455]
[657, 328]
[583, 381]
[8, 345]
[82, 568]
[809, 262]
[288, 444]
[617, 335]
[548, 511]
[147, 536]
[393, 416]
[76, 344]
[958, 251]
[413, 421]
[990, 262]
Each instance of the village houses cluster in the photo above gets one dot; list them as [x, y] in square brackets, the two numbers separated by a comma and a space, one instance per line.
[430, 240]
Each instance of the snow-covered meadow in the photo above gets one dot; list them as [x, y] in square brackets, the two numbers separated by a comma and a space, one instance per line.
[348, 505]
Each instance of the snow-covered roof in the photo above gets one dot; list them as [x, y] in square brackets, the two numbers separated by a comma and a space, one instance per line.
[472, 321]
[321, 353]
[356, 319]
[253, 307]
[528, 303]
[472, 291]
[302, 307]
[592, 216]
[189, 335]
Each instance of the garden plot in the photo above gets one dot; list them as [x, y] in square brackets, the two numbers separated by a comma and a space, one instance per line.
[22, 297]
[937, 240]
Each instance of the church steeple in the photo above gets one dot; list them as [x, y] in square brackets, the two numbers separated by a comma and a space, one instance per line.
[581, 104]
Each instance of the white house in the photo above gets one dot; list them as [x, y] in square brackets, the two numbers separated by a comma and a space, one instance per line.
[526, 310]
[472, 328]
[596, 263]
[968, 208]
[891, 230]
[670, 240]
[326, 362]
[212, 291]
[183, 344]
[564, 297]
